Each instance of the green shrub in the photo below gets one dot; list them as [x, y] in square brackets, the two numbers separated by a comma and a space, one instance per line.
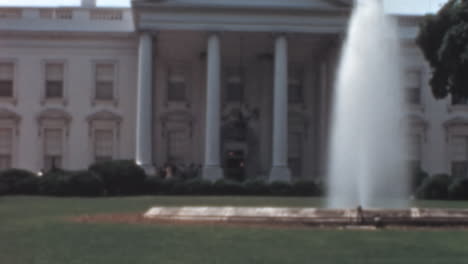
[458, 189]
[434, 188]
[71, 183]
[256, 187]
[55, 183]
[120, 177]
[227, 187]
[417, 177]
[85, 183]
[305, 188]
[197, 186]
[280, 188]
[17, 181]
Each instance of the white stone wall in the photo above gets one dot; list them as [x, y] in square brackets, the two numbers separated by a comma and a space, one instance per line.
[29, 53]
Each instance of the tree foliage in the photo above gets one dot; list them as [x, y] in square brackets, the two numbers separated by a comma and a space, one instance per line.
[443, 39]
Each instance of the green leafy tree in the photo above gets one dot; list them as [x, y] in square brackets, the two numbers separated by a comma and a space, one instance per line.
[443, 39]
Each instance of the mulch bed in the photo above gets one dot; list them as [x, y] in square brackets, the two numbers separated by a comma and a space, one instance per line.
[137, 218]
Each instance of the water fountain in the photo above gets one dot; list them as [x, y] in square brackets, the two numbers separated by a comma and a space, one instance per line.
[367, 152]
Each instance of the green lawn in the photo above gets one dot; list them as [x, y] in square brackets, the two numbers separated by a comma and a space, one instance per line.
[33, 231]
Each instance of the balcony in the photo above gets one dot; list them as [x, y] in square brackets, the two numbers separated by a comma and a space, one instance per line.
[70, 19]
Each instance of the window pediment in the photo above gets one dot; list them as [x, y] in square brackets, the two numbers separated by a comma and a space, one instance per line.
[104, 116]
[456, 121]
[8, 114]
[54, 114]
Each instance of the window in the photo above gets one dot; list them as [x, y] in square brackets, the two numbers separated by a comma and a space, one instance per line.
[459, 151]
[295, 85]
[6, 142]
[105, 74]
[103, 144]
[414, 151]
[295, 153]
[6, 79]
[234, 85]
[413, 87]
[53, 149]
[176, 86]
[54, 80]
[178, 143]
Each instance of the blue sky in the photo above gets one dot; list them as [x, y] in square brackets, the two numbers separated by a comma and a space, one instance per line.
[392, 6]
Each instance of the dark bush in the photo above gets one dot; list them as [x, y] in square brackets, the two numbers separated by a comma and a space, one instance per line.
[417, 177]
[280, 188]
[4, 189]
[434, 188]
[120, 177]
[17, 181]
[85, 183]
[72, 183]
[227, 187]
[56, 183]
[458, 189]
[256, 187]
[305, 188]
[198, 186]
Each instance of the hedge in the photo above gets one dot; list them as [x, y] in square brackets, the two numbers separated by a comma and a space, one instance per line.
[17, 181]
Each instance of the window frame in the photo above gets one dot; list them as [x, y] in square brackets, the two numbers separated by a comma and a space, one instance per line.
[115, 85]
[55, 100]
[185, 68]
[13, 98]
[104, 120]
[407, 88]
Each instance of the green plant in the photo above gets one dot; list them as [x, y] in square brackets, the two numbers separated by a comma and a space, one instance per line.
[120, 177]
[17, 181]
[434, 188]
[280, 188]
[458, 189]
[227, 187]
[256, 187]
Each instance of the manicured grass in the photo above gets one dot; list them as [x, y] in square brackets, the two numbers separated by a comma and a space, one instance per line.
[33, 230]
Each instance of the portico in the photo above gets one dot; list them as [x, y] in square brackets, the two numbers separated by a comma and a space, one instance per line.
[214, 91]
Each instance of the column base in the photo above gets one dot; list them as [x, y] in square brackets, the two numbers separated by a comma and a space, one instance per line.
[282, 174]
[212, 173]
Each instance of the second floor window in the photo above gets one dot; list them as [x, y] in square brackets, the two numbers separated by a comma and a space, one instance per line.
[234, 85]
[176, 86]
[105, 75]
[6, 79]
[413, 87]
[54, 80]
[295, 85]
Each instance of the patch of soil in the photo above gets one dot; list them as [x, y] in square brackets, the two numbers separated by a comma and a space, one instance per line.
[136, 218]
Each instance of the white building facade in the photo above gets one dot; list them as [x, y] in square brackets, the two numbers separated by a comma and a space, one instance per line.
[241, 88]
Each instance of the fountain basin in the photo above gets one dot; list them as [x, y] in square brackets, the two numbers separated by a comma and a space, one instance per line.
[312, 216]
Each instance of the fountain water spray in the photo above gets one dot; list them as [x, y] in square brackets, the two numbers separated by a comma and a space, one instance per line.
[367, 148]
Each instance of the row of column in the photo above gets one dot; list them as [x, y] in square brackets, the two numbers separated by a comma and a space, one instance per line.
[212, 169]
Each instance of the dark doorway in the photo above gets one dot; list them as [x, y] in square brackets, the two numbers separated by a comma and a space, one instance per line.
[234, 165]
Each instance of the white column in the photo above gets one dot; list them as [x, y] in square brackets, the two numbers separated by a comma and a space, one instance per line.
[280, 170]
[212, 169]
[144, 104]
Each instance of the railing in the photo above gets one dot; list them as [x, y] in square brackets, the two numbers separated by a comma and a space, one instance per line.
[105, 14]
[66, 14]
[62, 13]
[11, 13]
